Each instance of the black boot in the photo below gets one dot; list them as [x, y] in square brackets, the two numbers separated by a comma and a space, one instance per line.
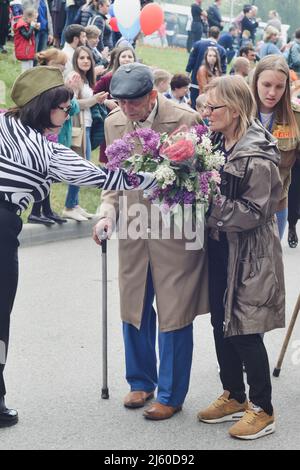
[7, 417]
[292, 237]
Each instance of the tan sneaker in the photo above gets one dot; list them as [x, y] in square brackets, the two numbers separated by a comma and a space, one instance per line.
[223, 409]
[254, 424]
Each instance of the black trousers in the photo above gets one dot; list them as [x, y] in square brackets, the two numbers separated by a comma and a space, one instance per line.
[10, 227]
[294, 196]
[235, 351]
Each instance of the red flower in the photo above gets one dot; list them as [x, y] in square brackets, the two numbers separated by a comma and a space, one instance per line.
[179, 151]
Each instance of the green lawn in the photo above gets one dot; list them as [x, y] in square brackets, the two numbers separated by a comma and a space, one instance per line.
[172, 59]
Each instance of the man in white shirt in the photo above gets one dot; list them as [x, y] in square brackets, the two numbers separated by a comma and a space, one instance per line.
[75, 36]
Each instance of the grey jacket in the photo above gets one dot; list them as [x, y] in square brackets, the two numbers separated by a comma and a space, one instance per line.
[255, 295]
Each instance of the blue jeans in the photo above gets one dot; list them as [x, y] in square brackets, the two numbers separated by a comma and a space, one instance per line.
[175, 355]
[72, 199]
[41, 41]
[282, 217]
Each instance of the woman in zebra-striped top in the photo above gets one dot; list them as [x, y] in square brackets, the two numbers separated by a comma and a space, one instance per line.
[29, 164]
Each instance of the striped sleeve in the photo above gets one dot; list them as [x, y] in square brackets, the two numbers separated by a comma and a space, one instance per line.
[66, 166]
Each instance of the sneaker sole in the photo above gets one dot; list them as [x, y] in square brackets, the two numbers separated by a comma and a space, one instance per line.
[224, 419]
[264, 432]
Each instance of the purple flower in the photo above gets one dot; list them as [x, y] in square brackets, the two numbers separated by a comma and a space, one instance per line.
[200, 130]
[119, 151]
[150, 140]
[204, 179]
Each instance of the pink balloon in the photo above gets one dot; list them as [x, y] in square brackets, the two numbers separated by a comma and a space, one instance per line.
[152, 17]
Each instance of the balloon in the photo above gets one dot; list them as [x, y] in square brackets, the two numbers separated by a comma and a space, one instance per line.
[132, 32]
[127, 11]
[152, 17]
[111, 11]
[114, 24]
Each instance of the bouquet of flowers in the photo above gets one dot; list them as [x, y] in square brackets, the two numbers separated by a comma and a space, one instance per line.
[185, 165]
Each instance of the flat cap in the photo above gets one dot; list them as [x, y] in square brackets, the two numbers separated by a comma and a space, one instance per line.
[34, 82]
[131, 81]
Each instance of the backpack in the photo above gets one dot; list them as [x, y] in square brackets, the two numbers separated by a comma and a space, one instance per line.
[92, 20]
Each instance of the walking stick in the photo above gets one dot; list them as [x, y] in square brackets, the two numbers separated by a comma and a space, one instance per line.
[277, 369]
[104, 392]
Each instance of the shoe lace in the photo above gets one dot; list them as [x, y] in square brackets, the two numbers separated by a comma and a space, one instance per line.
[250, 416]
[220, 401]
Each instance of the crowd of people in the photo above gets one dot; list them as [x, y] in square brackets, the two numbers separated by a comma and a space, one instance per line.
[89, 90]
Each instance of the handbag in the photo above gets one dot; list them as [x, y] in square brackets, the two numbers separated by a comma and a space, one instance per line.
[78, 135]
[99, 113]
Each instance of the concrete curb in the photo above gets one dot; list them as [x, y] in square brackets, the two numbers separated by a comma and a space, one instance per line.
[39, 234]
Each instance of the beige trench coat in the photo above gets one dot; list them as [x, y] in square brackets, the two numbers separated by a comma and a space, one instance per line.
[180, 276]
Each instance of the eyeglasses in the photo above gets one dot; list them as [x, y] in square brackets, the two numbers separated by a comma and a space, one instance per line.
[213, 108]
[65, 110]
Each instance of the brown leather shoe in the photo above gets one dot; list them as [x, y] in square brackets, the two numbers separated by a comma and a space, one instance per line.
[158, 411]
[137, 399]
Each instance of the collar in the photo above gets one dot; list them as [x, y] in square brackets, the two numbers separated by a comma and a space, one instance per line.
[148, 123]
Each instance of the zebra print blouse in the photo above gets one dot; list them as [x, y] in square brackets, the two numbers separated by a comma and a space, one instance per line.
[29, 164]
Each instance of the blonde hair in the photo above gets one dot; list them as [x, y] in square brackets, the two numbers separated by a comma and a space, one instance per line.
[234, 92]
[51, 55]
[160, 75]
[269, 32]
[284, 112]
[92, 31]
[200, 102]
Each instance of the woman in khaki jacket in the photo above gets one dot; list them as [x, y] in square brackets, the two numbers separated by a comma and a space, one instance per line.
[271, 89]
[246, 283]
[210, 68]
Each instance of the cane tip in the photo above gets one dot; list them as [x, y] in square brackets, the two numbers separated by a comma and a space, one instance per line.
[105, 394]
[276, 372]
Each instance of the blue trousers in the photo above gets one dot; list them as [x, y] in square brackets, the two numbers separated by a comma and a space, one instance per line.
[175, 356]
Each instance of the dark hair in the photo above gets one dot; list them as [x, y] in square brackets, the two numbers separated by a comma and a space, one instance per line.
[179, 80]
[36, 113]
[214, 32]
[247, 8]
[297, 33]
[216, 71]
[73, 31]
[89, 76]
[120, 51]
[246, 49]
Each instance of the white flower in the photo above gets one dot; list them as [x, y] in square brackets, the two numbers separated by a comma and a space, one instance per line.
[206, 143]
[165, 175]
[189, 185]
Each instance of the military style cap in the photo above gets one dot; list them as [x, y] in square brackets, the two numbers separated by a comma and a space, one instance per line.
[34, 82]
[131, 81]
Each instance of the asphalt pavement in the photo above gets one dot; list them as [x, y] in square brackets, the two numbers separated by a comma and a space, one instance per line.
[54, 368]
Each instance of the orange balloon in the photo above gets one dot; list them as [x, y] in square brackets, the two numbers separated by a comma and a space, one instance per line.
[152, 17]
[114, 24]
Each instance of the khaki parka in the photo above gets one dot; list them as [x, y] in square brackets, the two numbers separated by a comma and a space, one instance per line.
[255, 296]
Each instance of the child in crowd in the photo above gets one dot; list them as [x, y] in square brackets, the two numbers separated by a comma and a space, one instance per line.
[200, 107]
[162, 80]
[24, 38]
[179, 89]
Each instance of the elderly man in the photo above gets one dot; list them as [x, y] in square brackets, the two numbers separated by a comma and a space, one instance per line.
[150, 265]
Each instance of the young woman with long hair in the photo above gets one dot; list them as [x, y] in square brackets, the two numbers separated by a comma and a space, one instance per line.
[271, 89]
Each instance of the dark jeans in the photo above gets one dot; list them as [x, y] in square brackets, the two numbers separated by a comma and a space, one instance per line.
[10, 227]
[235, 351]
[294, 196]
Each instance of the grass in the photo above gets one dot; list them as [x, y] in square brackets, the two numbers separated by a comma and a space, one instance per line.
[172, 59]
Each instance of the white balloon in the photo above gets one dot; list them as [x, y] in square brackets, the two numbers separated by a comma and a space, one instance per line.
[127, 11]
